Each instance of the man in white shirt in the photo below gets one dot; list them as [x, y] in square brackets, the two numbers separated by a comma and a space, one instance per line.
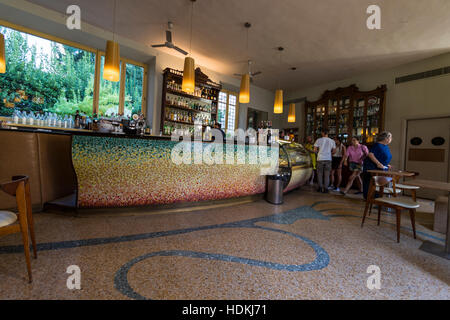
[324, 147]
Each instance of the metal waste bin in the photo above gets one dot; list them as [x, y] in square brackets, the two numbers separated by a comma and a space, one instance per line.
[275, 186]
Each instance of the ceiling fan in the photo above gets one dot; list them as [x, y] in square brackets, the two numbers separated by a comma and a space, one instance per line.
[169, 44]
[252, 74]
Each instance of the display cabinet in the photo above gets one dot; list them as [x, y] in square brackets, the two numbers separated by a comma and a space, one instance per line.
[294, 162]
[181, 110]
[347, 112]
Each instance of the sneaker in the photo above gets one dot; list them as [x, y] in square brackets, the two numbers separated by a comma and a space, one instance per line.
[319, 190]
[337, 189]
[359, 192]
[325, 190]
[343, 193]
[331, 187]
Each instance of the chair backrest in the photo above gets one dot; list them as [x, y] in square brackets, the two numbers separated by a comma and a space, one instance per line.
[380, 182]
[10, 187]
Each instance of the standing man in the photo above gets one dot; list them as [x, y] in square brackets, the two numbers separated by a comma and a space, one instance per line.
[324, 147]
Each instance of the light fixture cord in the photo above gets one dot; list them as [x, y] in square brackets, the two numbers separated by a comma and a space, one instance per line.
[192, 18]
[114, 20]
[279, 74]
[248, 58]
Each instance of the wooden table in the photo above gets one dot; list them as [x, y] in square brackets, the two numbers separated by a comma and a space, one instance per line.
[391, 173]
[428, 246]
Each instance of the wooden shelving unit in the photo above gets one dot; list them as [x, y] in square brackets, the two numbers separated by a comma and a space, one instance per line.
[347, 112]
[204, 103]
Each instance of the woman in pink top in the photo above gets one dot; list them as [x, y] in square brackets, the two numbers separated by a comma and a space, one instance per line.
[355, 155]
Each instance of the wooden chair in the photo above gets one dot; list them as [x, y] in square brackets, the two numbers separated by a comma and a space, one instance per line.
[396, 203]
[19, 187]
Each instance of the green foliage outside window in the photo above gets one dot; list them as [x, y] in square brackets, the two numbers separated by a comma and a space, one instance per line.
[45, 76]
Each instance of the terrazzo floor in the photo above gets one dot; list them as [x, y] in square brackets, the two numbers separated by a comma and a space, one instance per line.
[311, 247]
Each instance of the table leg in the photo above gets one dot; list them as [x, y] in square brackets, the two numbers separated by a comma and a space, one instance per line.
[438, 250]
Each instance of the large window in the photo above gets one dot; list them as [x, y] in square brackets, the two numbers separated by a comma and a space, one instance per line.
[56, 76]
[228, 111]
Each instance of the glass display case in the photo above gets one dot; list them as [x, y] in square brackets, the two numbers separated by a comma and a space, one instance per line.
[295, 162]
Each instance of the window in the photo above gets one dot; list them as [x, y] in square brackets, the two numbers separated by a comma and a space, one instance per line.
[109, 100]
[46, 74]
[228, 111]
[134, 85]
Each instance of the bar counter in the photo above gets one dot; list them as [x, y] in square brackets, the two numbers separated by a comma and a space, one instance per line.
[119, 170]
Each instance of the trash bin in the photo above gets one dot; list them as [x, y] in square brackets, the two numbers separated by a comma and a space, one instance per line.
[275, 186]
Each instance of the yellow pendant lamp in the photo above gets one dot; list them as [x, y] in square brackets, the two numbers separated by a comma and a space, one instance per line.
[188, 84]
[111, 69]
[278, 104]
[291, 116]
[244, 93]
[2, 54]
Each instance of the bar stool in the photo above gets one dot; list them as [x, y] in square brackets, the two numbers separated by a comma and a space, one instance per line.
[396, 203]
[19, 187]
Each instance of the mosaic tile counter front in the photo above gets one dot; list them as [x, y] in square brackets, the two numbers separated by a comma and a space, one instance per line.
[123, 172]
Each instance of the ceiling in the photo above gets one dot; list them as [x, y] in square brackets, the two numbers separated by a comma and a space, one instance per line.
[326, 40]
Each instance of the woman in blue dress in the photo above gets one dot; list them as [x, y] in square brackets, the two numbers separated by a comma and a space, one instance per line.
[378, 159]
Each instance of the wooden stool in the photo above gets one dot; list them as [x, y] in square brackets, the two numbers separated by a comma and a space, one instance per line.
[397, 203]
[19, 187]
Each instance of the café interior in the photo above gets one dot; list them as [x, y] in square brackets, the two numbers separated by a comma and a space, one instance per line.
[224, 150]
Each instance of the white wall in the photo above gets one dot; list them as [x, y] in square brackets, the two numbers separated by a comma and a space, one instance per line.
[50, 22]
[428, 97]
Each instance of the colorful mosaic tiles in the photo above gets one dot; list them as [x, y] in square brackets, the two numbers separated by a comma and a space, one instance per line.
[121, 172]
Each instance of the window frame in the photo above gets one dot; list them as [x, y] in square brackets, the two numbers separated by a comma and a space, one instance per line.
[98, 55]
[236, 115]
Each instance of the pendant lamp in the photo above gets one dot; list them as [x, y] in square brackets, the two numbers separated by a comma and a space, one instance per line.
[111, 69]
[244, 92]
[291, 116]
[188, 84]
[2, 54]
[278, 105]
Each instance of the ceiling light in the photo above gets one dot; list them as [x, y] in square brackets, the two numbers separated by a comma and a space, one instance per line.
[188, 84]
[111, 69]
[244, 93]
[2, 54]
[291, 116]
[278, 105]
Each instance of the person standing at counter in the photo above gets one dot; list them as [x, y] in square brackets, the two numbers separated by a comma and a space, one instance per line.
[379, 158]
[325, 148]
[310, 148]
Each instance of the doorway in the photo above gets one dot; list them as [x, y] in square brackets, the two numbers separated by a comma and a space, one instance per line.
[427, 151]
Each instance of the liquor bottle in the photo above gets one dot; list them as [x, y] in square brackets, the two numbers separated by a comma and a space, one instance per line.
[77, 119]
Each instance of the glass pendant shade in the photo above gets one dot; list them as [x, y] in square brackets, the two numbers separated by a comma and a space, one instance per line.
[291, 116]
[111, 70]
[2, 54]
[188, 84]
[278, 105]
[244, 94]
